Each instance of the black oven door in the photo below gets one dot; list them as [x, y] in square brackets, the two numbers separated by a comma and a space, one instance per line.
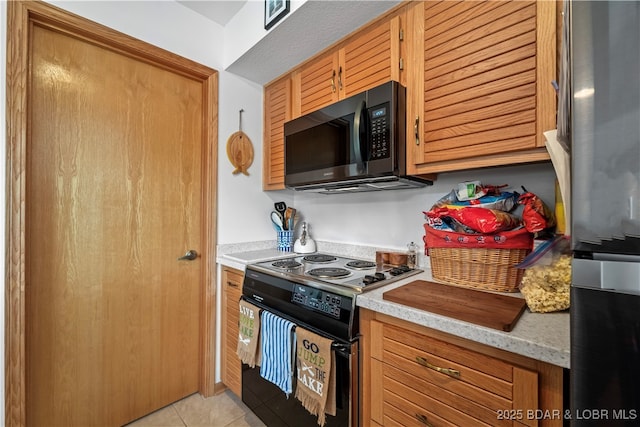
[273, 407]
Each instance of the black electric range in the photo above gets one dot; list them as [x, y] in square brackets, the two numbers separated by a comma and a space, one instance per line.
[317, 292]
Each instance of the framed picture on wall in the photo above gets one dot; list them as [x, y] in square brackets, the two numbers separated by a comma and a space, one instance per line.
[274, 10]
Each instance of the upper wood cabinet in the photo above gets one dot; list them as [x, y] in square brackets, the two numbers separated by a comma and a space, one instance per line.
[277, 110]
[479, 77]
[363, 60]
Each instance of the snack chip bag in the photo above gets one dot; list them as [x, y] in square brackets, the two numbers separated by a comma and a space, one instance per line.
[536, 216]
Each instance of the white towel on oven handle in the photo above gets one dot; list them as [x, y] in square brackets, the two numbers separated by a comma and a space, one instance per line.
[277, 344]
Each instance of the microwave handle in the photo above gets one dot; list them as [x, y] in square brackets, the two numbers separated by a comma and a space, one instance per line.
[357, 146]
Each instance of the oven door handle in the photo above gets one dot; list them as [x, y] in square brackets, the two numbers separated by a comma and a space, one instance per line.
[342, 348]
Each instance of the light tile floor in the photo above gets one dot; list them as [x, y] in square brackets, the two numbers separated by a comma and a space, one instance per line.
[222, 410]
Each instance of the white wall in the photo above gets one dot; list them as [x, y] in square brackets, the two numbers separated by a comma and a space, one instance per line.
[393, 219]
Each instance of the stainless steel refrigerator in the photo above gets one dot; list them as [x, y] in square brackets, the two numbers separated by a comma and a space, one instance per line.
[605, 213]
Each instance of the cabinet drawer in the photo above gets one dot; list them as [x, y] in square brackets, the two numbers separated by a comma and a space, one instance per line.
[400, 391]
[450, 381]
[234, 280]
[431, 400]
[425, 356]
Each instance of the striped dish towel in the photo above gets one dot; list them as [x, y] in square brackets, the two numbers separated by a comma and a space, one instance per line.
[277, 344]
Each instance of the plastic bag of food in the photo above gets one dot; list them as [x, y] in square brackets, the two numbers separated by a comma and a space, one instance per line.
[470, 190]
[546, 282]
[536, 216]
[493, 199]
[474, 219]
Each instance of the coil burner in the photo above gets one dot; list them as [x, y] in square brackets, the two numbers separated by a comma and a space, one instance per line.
[319, 258]
[329, 273]
[360, 265]
[287, 264]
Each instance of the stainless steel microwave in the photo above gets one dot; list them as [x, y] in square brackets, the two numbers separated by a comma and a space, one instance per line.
[354, 145]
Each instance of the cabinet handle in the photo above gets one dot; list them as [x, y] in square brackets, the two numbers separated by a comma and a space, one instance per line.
[415, 130]
[232, 285]
[333, 81]
[340, 78]
[451, 372]
[424, 420]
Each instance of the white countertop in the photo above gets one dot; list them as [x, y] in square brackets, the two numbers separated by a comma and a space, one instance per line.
[540, 336]
[239, 260]
[543, 337]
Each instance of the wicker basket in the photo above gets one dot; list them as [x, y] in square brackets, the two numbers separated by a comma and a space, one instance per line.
[476, 265]
[488, 269]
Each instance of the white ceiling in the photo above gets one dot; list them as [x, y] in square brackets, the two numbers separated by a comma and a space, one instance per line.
[218, 11]
[314, 26]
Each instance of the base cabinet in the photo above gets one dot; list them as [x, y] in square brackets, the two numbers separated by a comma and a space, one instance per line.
[231, 365]
[416, 376]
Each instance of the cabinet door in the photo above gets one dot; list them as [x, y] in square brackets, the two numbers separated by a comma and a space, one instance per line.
[367, 59]
[277, 110]
[319, 82]
[231, 366]
[372, 58]
[485, 96]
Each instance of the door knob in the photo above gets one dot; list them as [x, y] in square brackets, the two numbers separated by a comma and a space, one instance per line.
[189, 256]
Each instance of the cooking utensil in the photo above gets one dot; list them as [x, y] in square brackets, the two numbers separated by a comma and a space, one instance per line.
[276, 219]
[292, 219]
[280, 207]
[240, 150]
[289, 215]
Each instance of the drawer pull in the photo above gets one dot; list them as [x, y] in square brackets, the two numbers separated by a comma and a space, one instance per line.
[423, 419]
[232, 285]
[447, 371]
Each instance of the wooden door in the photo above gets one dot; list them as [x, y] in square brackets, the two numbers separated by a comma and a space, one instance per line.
[116, 158]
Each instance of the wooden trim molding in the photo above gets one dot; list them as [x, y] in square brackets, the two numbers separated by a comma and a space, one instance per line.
[21, 15]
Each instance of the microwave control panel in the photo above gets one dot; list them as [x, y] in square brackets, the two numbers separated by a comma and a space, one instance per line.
[380, 144]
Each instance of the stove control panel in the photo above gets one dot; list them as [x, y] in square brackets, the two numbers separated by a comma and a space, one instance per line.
[317, 299]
